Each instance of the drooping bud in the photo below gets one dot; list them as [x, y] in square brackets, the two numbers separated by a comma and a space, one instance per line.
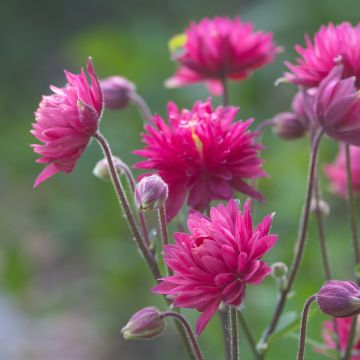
[322, 205]
[339, 298]
[102, 171]
[144, 324]
[151, 192]
[116, 92]
[278, 270]
[288, 126]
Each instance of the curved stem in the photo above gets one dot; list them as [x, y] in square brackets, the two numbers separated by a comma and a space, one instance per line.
[350, 343]
[225, 93]
[131, 180]
[232, 328]
[164, 231]
[263, 125]
[320, 227]
[195, 345]
[351, 205]
[248, 334]
[142, 106]
[149, 257]
[300, 247]
[304, 316]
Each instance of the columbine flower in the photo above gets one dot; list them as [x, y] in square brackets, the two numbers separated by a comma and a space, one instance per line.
[65, 122]
[201, 153]
[117, 92]
[332, 45]
[337, 107]
[339, 298]
[216, 261]
[151, 192]
[147, 323]
[216, 48]
[343, 329]
[336, 172]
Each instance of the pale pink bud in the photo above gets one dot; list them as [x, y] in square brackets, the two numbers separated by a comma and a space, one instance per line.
[144, 324]
[116, 92]
[288, 126]
[151, 192]
[339, 298]
[102, 171]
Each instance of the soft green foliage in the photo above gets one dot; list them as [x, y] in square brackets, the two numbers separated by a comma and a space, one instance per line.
[67, 260]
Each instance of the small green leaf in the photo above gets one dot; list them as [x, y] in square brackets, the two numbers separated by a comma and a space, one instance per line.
[176, 44]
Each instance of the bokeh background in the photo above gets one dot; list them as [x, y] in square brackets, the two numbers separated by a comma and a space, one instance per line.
[70, 276]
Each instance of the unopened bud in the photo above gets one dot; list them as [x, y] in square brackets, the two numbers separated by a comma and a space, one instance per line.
[116, 92]
[322, 205]
[339, 298]
[278, 270]
[288, 126]
[151, 192]
[102, 171]
[145, 324]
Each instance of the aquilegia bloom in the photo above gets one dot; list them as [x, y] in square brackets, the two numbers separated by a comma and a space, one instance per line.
[65, 122]
[202, 153]
[219, 48]
[337, 107]
[216, 261]
[343, 328]
[332, 45]
[336, 172]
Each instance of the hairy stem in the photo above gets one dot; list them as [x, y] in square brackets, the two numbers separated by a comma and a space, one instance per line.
[351, 206]
[142, 106]
[164, 232]
[145, 251]
[304, 317]
[300, 246]
[184, 323]
[232, 328]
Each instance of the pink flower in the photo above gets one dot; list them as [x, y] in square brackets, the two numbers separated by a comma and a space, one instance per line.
[336, 172]
[216, 261]
[218, 48]
[343, 326]
[201, 153]
[337, 107]
[65, 122]
[332, 44]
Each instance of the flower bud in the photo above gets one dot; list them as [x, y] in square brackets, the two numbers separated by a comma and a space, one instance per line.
[288, 126]
[323, 207]
[101, 169]
[116, 92]
[145, 324]
[339, 298]
[151, 192]
[279, 269]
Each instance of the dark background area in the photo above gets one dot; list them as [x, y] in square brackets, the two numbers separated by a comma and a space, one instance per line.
[70, 276]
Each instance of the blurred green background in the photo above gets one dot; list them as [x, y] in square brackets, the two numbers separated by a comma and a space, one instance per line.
[70, 276]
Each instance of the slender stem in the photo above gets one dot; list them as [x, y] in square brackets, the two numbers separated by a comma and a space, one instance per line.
[263, 125]
[225, 93]
[351, 338]
[195, 345]
[149, 257]
[232, 328]
[142, 106]
[300, 247]
[351, 206]
[164, 231]
[223, 316]
[248, 334]
[131, 180]
[304, 317]
[320, 227]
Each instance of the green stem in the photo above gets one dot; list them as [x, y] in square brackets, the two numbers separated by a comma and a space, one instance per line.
[232, 328]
